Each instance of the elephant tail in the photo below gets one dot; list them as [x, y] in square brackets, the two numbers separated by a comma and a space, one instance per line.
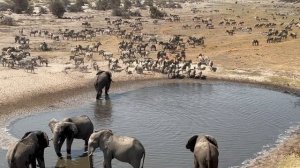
[208, 156]
[144, 159]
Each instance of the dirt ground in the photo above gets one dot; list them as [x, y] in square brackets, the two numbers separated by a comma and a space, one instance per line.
[234, 56]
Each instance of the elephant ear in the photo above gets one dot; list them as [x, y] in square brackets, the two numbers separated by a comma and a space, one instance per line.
[191, 143]
[99, 72]
[105, 137]
[72, 129]
[26, 134]
[42, 139]
[109, 75]
[52, 124]
[211, 140]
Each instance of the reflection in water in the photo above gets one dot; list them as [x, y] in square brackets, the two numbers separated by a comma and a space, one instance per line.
[75, 163]
[103, 110]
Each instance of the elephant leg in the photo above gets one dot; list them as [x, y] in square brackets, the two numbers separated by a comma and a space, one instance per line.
[40, 159]
[196, 164]
[69, 145]
[107, 161]
[99, 93]
[33, 163]
[86, 145]
[135, 164]
[107, 89]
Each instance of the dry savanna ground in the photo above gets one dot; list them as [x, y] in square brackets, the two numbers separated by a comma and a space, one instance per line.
[234, 56]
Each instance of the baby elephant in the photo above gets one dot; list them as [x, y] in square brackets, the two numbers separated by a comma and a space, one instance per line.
[80, 127]
[123, 148]
[28, 150]
[205, 149]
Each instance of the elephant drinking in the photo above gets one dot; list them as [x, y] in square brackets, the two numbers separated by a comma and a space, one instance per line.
[79, 127]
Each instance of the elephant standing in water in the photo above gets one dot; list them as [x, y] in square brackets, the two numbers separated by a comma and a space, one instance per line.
[103, 80]
[205, 149]
[123, 148]
[28, 150]
[80, 127]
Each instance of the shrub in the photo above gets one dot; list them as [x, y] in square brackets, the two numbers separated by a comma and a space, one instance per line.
[120, 12]
[155, 13]
[108, 4]
[19, 5]
[57, 8]
[4, 6]
[5, 20]
[127, 4]
[135, 13]
[75, 8]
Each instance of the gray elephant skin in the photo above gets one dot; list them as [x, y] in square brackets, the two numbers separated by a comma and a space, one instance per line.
[205, 149]
[123, 148]
[80, 127]
[103, 81]
[28, 150]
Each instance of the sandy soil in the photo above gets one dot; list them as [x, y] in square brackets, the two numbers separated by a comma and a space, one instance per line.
[276, 64]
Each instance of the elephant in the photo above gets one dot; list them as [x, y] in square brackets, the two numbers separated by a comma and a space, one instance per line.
[103, 80]
[28, 150]
[123, 148]
[205, 149]
[79, 127]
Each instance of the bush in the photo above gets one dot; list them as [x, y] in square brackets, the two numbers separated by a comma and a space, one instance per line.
[20, 5]
[136, 13]
[75, 8]
[120, 12]
[5, 20]
[57, 8]
[108, 4]
[148, 2]
[127, 4]
[4, 6]
[155, 13]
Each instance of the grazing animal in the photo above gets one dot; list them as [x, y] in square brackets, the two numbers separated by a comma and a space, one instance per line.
[255, 42]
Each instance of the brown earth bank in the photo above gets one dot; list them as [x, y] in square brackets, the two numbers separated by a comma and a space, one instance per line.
[272, 65]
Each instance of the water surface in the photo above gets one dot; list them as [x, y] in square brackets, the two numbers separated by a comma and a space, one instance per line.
[243, 119]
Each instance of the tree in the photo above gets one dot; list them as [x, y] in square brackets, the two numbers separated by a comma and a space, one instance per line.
[18, 5]
[57, 8]
[127, 4]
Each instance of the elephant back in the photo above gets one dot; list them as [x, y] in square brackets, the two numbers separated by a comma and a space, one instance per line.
[83, 124]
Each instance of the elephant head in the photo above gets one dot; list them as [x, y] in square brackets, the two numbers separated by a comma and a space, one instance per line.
[98, 139]
[43, 140]
[62, 130]
[191, 143]
[193, 140]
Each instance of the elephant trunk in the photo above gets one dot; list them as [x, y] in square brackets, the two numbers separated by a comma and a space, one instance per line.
[57, 145]
[91, 150]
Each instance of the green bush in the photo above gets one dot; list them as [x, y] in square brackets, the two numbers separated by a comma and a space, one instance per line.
[108, 4]
[18, 6]
[57, 8]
